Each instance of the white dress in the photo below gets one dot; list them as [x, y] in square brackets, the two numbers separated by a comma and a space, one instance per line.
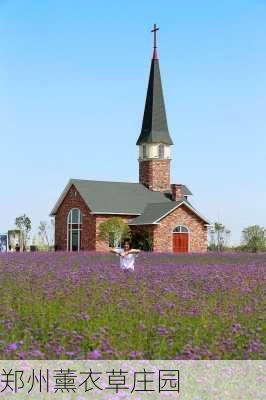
[127, 261]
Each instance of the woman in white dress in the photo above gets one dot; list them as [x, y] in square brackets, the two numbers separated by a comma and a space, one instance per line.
[127, 255]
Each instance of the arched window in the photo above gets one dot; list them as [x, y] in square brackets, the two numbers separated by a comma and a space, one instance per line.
[74, 223]
[144, 151]
[161, 150]
[180, 229]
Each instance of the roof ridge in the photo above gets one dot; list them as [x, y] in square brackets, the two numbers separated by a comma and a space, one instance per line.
[101, 181]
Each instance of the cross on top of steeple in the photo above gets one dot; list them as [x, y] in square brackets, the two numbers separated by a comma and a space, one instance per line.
[154, 31]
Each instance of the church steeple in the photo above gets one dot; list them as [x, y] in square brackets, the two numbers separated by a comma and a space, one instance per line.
[154, 125]
[154, 140]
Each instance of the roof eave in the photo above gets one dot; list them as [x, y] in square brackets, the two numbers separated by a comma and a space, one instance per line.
[145, 223]
[190, 207]
[115, 213]
[157, 221]
[149, 139]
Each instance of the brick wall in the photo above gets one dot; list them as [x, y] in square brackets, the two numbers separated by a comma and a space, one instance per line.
[163, 240]
[162, 233]
[177, 191]
[90, 223]
[74, 200]
[155, 174]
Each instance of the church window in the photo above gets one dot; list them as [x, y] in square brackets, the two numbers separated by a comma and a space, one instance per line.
[144, 150]
[74, 223]
[161, 151]
[180, 229]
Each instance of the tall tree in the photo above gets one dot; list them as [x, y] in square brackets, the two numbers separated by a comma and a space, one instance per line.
[254, 238]
[24, 225]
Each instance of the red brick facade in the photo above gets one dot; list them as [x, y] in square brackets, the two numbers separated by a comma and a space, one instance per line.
[89, 238]
[162, 233]
[177, 193]
[155, 174]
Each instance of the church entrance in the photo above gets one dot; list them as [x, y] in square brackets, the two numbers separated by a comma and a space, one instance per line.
[180, 239]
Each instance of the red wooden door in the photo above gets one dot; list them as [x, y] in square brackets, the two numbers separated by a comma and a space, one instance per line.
[180, 242]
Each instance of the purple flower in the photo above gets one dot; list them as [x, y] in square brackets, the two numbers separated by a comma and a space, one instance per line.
[84, 316]
[37, 353]
[194, 306]
[236, 328]
[11, 347]
[70, 353]
[94, 355]
[59, 349]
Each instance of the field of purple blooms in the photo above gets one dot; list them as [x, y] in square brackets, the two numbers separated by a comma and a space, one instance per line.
[83, 306]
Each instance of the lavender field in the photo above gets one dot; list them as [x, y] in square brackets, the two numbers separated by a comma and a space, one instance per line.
[82, 306]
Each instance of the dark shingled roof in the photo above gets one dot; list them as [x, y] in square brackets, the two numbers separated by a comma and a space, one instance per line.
[125, 198]
[155, 211]
[154, 125]
[114, 197]
[186, 191]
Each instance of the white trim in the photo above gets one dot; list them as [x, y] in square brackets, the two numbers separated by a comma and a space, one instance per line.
[154, 159]
[186, 204]
[113, 213]
[181, 226]
[145, 223]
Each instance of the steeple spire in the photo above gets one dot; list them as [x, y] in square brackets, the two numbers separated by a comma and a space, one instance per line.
[154, 124]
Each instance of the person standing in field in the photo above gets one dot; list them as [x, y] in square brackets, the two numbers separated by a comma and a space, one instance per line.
[127, 255]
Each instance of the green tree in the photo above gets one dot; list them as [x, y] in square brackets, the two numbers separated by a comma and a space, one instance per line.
[113, 231]
[24, 225]
[254, 238]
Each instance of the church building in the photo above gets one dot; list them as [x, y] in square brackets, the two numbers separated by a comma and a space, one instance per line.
[153, 206]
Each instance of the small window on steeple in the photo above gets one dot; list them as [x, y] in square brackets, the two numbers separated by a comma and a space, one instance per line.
[161, 151]
[144, 151]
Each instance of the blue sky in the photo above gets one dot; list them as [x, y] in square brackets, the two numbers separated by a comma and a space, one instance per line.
[73, 79]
